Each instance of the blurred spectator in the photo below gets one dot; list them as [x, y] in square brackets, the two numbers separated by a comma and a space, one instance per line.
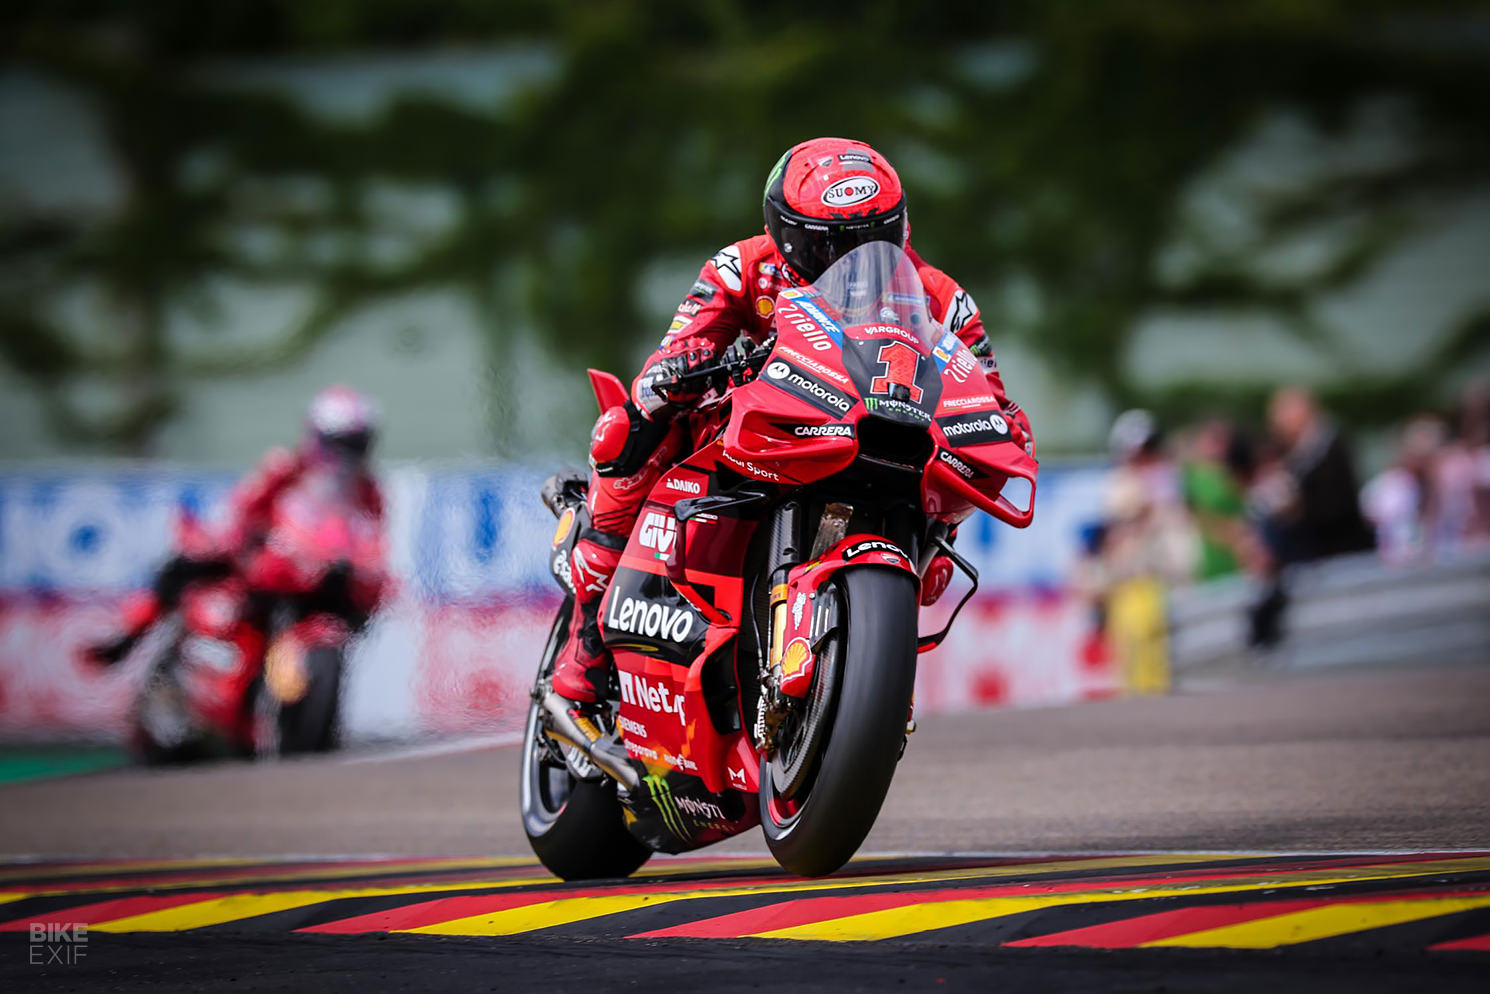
[1458, 510]
[1315, 510]
[1148, 531]
[1397, 499]
[1214, 478]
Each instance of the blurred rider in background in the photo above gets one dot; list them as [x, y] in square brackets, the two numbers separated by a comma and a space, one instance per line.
[824, 198]
[330, 466]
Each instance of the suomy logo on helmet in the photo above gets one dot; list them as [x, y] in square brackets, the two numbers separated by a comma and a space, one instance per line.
[851, 190]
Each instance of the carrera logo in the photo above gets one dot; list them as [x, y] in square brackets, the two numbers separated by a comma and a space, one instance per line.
[658, 533]
[684, 486]
[794, 381]
[962, 468]
[975, 429]
[851, 190]
[641, 692]
[653, 620]
[818, 431]
[872, 545]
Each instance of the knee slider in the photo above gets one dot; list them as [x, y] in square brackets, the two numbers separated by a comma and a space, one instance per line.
[622, 441]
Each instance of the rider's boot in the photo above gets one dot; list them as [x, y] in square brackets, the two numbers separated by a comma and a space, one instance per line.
[583, 667]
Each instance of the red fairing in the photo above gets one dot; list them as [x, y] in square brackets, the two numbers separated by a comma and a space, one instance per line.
[803, 583]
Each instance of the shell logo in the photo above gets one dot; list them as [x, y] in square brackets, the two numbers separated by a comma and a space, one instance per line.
[566, 522]
[764, 306]
[797, 655]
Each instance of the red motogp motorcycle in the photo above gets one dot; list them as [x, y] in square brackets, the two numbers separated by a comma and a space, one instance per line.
[763, 619]
[252, 659]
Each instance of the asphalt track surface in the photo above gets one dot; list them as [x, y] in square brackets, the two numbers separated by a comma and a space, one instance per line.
[1314, 833]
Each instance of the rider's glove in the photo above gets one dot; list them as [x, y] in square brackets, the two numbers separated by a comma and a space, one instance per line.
[659, 392]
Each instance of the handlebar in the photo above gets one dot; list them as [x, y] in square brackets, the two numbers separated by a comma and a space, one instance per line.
[736, 367]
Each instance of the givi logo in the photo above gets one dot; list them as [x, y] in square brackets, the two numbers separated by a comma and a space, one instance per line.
[658, 533]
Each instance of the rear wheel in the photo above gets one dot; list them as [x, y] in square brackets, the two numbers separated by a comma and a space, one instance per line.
[575, 827]
[816, 809]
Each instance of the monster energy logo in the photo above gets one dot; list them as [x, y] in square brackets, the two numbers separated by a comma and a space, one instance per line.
[662, 797]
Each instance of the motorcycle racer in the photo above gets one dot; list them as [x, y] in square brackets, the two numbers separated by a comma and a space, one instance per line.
[823, 198]
[330, 465]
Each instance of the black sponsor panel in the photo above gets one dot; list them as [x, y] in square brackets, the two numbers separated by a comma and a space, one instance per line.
[793, 379]
[976, 428]
[674, 812]
[909, 403]
[646, 613]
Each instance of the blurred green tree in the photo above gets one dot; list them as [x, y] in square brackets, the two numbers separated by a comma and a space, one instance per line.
[1052, 151]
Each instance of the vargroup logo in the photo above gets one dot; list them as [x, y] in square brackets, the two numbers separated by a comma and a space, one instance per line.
[658, 533]
[55, 944]
[641, 692]
[850, 191]
[670, 624]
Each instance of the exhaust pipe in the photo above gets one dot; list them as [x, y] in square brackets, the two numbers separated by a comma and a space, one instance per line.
[562, 727]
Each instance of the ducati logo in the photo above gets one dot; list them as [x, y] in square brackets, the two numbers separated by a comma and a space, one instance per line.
[658, 533]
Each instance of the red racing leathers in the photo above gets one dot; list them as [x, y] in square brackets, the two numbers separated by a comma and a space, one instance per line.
[734, 295]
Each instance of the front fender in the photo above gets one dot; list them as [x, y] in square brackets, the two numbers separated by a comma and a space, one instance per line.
[807, 624]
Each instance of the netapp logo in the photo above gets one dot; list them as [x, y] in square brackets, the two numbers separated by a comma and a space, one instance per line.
[975, 429]
[670, 624]
[641, 692]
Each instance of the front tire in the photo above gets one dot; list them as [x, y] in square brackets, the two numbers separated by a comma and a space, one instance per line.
[311, 723]
[575, 827]
[821, 826]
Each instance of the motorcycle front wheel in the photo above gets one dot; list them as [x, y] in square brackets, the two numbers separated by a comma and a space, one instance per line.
[575, 827]
[869, 667]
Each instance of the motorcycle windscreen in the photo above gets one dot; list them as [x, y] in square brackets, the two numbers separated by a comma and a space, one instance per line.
[877, 285]
[876, 301]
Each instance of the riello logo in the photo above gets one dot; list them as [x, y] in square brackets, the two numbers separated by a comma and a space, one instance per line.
[654, 696]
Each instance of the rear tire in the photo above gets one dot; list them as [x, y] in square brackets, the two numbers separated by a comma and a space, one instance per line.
[576, 828]
[824, 823]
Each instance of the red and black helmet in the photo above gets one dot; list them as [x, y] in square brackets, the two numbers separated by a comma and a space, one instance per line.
[827, 196]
